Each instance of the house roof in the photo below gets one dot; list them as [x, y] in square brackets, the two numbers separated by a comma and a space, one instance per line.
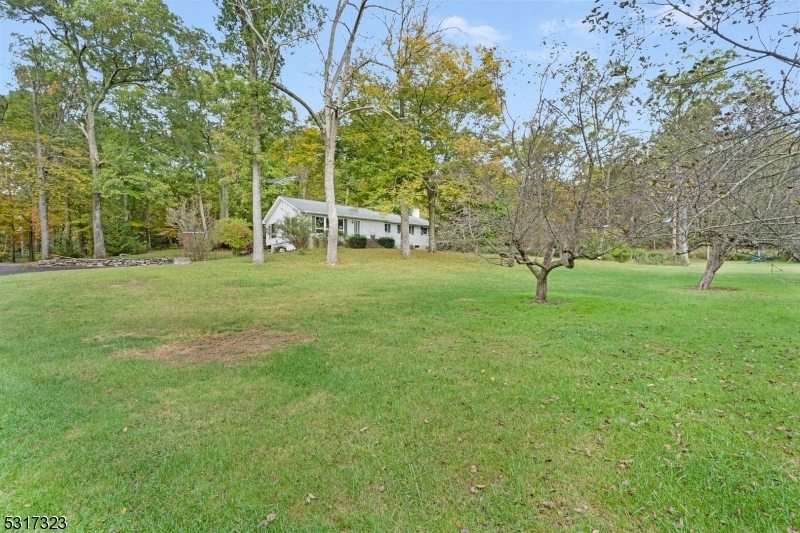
[313, 207]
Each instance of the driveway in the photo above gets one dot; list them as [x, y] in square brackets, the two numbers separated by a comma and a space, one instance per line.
[6, 269]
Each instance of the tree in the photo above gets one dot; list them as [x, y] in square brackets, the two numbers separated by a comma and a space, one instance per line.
[339, 63]
[110, 43]
[558, 184]
[432, 100]
[245, 23]
[727, 157]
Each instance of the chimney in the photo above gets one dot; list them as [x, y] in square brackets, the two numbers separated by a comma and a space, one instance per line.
[415, 213]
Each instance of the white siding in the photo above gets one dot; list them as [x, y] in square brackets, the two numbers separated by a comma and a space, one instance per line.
[369, 227]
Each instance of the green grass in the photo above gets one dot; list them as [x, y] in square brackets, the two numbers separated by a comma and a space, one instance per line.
[443, 361]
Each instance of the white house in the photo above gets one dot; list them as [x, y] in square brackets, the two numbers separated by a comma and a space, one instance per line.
[352, 220]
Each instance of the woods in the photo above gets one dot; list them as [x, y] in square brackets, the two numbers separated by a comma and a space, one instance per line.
[121, 116]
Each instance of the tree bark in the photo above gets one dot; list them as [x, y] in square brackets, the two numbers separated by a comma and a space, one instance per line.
[431, 219]
[331, 130]
[31, 250]
[99, 243]
[125, 213]
[541, 287]
[405, 240]
[683, 235]
[258, 229]
[716, 257]
[223, 201]
[43, 219]
[67, 222]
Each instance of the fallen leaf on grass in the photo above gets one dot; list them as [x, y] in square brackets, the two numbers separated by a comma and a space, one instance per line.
[481, 487]
[124, 510]
[382, 488]
[624, 463]
[793, 478]
[473, 490]
[125, 430]
[549, 505]
[473, 469]
[362, 430]
[270, 517]
[310, 497]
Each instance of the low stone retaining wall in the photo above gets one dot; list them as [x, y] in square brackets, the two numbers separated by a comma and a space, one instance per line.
[99, 263]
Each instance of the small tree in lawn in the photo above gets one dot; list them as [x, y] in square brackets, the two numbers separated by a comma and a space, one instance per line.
[296, 230]
[234, 233]
[192, 230]
[558, 185]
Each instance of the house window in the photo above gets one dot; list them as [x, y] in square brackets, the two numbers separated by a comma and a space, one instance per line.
[423, 230]
[387, 228]
[357, 226]
[411, 230]
[320, 224]
[271, 231]
[343, 225]
[398, 228]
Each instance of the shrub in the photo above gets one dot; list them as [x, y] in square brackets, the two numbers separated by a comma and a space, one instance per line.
[296, 230]
[233, 232]
[357, 241]
[386, 242]
[646, 257]
[621, 254]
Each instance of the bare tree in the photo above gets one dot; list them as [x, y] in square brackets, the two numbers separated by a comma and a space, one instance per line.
[557, 189]
[724, 165]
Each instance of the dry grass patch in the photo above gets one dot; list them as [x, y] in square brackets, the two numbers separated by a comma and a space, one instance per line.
[217, 348]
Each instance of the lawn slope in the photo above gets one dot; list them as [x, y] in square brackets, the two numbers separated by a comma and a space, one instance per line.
[401, 395]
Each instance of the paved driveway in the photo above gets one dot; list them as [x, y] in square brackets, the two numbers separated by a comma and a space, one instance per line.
[6, 269]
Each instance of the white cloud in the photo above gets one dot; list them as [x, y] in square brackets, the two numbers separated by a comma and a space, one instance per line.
[458, 28]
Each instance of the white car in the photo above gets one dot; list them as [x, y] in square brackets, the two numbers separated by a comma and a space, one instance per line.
[279, 244]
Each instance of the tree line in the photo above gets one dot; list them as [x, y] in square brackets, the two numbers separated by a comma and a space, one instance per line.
[121, 116]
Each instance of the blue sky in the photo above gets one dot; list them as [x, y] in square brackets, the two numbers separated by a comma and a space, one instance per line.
[517, 27]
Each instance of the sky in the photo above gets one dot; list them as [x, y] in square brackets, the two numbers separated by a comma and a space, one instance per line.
[517, 28]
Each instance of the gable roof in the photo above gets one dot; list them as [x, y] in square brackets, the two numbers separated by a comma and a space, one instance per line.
[313, 207]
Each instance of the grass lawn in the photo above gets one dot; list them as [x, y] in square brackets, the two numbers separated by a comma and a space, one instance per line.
[418, 395]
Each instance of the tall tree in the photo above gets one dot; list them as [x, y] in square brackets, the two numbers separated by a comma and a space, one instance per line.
[111, 43]
[253, 28]
[430, 102]
[339, 61]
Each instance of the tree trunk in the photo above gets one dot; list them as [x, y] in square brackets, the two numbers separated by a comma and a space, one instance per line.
[67, 222]
[716, 257]
[431, 219]
[125, 213]
[683, 234]
[13, 246]
[43, 219]
[405, 240]
[223, 201]
[99, 247]
[331, 130]
[258, 229]
[31, 250]
[541, 287]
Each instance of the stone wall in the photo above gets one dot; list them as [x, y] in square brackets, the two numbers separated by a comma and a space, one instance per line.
[99, 263]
